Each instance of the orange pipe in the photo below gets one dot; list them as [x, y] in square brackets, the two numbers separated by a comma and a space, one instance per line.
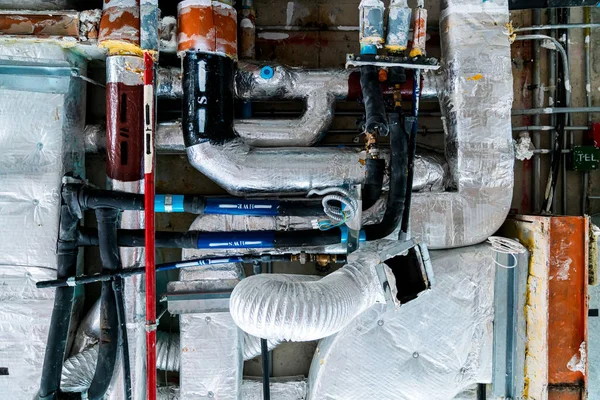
[208, 27]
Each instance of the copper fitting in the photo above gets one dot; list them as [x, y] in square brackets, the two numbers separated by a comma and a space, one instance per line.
[208, 27]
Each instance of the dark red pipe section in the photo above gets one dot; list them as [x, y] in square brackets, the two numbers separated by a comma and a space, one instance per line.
[123, 132]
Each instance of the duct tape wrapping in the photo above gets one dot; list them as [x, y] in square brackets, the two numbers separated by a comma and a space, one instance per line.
[38, 143]
[431, 348]
[476, 104]
[280, 389]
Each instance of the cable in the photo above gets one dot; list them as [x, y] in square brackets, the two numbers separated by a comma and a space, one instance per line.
[506, 246]
[338, 216]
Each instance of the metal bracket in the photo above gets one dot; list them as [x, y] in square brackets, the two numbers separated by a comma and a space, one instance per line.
[425, 63]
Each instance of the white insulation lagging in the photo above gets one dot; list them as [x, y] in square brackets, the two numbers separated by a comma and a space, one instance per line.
[286, 308]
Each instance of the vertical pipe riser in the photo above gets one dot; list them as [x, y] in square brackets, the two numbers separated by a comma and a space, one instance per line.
[398, 28]
[371, 25]
[419, 33]
[119, 30]
[207, 27]
[208, 99]
[124, 124]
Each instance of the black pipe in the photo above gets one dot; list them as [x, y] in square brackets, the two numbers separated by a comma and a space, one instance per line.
[58, 331]
[373, 185]
[125, 273]
[208, 100]
[376, 122]
[109, 316]
[89, 198]
[398, 182]
[189, 240]
[559, 135]
[412, 144]
[264, 351]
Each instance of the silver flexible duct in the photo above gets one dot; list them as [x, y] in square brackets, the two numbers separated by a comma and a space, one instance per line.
[283, 307]
[476, 104]
[88, 331]
[243, 170]
[78, 370]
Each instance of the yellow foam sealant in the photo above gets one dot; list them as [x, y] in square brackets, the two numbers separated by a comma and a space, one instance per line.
[121, 48]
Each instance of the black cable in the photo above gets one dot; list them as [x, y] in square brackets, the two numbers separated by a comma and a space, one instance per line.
[110, 332]
[559, 135]
[412, 145]
[58, 331]
[125, 273]
[398, 182]
[264, 352]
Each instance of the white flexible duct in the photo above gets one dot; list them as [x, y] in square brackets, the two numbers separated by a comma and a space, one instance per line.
[287, 308]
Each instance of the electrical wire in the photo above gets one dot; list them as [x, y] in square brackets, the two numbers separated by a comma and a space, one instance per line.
[504, 245]
[338, 216]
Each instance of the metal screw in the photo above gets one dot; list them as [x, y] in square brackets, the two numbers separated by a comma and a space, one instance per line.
[40, 146]
[207, 319]
[415, 355]
[380, 322]
[211, 394]
[35, 202]
[463, 370]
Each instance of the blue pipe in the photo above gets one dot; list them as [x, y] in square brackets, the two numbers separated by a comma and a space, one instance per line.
[236, 240]
[241, 207]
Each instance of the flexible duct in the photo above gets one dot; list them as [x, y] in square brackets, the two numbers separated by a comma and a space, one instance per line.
[476, 103]
[78, 370]
[283, 307]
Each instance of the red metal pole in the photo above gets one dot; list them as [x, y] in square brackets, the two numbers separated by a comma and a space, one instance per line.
[149, 228]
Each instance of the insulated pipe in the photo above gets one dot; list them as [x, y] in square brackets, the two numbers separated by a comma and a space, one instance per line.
[477, 76]
[318, 88]
[58, 333]
[119, 30]
[283, 307]
[124, 144]
[398, 182]
[288, 83]
[213, 149]
[109, 318]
